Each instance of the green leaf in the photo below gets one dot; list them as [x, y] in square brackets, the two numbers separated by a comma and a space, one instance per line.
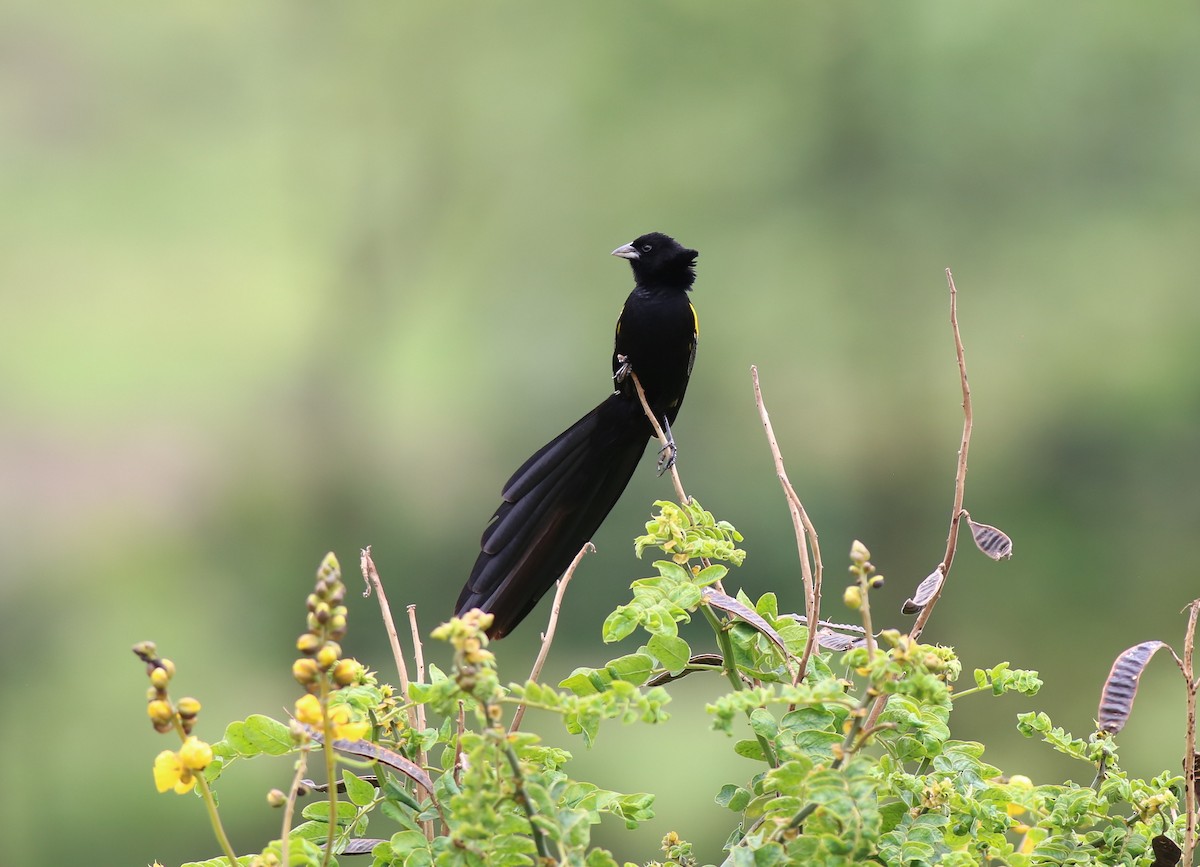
[634, 668]
[267, 735]
[750, 750]
[319, 811]
[672, 571]
[582, 681]
[359, 791]
[670, 650]
[405, 842]
[734, 797]
[235, 737]
[763, 722]
[620, 624]
[710, 575]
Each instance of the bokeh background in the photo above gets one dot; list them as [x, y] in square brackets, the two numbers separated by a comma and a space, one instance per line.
[285, 278]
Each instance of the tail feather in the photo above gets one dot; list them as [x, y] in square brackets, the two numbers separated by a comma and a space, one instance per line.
[552, 505]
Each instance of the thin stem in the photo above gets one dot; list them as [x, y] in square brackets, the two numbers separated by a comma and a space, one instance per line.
[658, 432]
[548, 635]
[210, 803]
[371, 577]
[289, 808]
[960, 483]
[960, 477]
[521, 796]
[852, 736]
[330, 770]
[803, 529]
[866, 617]
[1189, 755]
[730, 669]
[419, 658]
[458, 736]
[214, 817]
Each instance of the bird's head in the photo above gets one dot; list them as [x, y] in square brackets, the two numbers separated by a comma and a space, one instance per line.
[656, 258]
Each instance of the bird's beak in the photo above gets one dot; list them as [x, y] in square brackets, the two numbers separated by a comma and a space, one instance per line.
[627, 252]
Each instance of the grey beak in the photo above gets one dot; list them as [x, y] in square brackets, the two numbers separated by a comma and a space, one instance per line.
[627, 252]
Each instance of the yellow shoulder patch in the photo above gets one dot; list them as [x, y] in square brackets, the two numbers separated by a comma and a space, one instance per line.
[695, 319]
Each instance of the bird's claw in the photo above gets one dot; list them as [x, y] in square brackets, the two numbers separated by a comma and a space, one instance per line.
[623, 371]
[666, 457]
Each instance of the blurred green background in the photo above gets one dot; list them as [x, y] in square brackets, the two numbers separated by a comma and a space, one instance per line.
[284, 278]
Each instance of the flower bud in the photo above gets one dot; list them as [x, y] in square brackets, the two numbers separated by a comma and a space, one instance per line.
[305, 671]
[276, 798]
[308, 644]
[859, 553]
[327, 657]
[346, 671]
[852, 597]
[876, 582]
[160, 711]
[159, 678]
[188, 707]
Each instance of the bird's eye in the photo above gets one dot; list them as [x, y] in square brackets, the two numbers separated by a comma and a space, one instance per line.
[646, 248]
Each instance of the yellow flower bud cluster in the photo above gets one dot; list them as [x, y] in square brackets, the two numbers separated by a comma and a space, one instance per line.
[321, 669]
[173, 770]
[865, 577]
[468, 636]
[163, 714]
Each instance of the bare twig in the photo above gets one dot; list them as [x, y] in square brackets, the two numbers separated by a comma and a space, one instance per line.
[458, 736]
[548, 635]
[1189, 754]
[289, 808]
[960, 484]
[419, 658]
[960, 478]
[660, 433]
[803, 529]
[371, 577]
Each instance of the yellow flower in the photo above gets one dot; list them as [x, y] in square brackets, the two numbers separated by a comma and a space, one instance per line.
[170, 773]
[343, 727]
[308, 710]
[195, 754]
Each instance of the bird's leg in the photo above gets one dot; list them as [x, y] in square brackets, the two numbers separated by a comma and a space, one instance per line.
[666, 455]
[623, 371]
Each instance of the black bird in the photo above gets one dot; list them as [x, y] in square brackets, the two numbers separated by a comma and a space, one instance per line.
[558, 498]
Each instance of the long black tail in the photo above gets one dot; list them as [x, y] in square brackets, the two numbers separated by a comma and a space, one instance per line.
[551, 506]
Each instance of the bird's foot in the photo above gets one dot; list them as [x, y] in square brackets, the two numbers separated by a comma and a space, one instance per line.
[623, 370]
[666, 456]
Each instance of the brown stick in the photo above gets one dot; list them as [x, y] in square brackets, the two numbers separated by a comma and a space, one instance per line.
[662, 436]
[371, 577]
[548, 635]
[804, 531]
[960, 485]
[1189, 755]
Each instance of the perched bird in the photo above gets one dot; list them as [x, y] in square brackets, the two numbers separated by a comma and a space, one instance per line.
[558, 498]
